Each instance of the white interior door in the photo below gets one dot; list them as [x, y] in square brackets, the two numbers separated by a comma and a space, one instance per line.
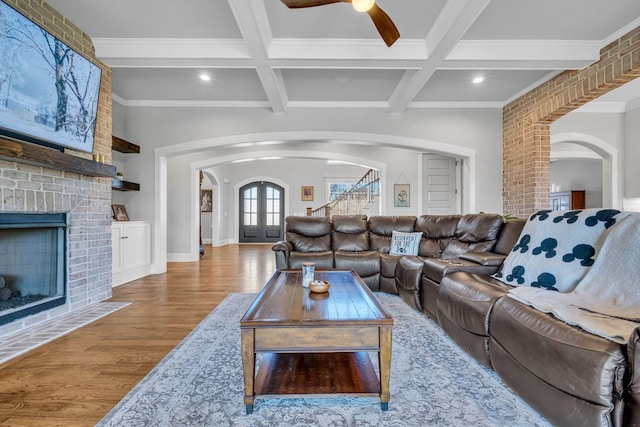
[439, 185]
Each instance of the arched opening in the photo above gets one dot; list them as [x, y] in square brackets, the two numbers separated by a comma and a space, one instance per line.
[592, 148]
[253, 145]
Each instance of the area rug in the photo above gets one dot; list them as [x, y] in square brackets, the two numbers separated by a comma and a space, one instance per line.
[433, 383]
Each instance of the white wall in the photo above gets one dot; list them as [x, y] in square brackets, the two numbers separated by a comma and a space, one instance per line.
[579, 174]
[632, 156]
[209, 133]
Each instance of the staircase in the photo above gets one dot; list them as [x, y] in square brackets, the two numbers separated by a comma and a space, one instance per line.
[358, 200]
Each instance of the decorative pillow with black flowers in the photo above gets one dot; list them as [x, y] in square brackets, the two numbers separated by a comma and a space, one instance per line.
[556, 248]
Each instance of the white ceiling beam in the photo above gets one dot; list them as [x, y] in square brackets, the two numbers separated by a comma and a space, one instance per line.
[170, 48]
[346, 54]
[347, 49]
[453, 21]
[525, 50]
[252, 20]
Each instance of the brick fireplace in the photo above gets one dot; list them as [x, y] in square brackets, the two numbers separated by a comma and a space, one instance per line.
[84, 199]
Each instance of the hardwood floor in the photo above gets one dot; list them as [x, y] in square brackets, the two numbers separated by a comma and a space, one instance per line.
[77, 379]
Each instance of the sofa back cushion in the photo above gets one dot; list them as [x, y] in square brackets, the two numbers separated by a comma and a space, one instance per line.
[474, 232]
[350, 233]
[308, 233]
[557, 248]
[437, 231]
[508, 236]
[381, 229]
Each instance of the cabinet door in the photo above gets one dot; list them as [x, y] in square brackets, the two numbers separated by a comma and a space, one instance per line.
[116, 244]
[137, 245]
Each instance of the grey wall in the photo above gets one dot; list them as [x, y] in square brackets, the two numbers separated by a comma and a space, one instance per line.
[203, 133]
[632, 156]
[579, 174]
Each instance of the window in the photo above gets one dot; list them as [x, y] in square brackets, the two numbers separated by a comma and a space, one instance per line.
[335, 187]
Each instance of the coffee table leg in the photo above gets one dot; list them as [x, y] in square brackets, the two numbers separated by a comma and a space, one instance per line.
[248, 366]
[384, 361]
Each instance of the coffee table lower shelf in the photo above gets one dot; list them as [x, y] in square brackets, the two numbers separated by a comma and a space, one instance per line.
[290, 375]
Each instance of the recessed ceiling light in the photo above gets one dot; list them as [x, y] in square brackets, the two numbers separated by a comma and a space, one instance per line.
[477, 80]
[205, 77]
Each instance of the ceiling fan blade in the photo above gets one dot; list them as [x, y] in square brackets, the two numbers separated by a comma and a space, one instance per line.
[384, 24]
[310, 3]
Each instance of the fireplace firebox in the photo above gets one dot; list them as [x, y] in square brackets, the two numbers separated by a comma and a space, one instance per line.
[33, 248]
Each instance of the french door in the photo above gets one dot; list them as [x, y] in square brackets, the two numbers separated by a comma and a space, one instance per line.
[261, 213]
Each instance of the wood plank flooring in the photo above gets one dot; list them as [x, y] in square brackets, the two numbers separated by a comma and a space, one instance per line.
[77, 379]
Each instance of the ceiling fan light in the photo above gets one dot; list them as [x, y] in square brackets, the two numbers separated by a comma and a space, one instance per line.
[363, 5]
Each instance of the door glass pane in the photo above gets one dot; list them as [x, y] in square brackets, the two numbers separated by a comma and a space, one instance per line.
[251, 206]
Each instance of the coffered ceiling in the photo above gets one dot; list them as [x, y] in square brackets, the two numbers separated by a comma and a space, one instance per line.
[260, 54]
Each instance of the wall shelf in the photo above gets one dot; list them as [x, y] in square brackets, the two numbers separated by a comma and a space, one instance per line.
[36, 155]
[117, 184]
[122, 146]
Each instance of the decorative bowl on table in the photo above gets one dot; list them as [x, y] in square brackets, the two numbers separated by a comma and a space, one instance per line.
[318, 286]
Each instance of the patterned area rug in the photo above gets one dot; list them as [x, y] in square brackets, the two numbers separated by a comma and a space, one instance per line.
[433, 383]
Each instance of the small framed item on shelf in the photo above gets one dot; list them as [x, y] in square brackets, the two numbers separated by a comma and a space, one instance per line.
[119, 213]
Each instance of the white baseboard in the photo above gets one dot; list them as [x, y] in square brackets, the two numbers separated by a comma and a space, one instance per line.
[180, 257]
[631, 204]
[126, 276]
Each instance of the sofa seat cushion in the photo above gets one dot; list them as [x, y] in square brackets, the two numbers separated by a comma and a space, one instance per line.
[388, 273]
[323, 260]
[408, 280]
[364, 263]
[571, 360]
[435, 268]
[467, 299]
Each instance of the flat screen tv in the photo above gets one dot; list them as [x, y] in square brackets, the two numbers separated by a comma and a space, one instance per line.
[48, 92]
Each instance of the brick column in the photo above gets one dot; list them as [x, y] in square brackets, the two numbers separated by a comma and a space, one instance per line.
[526, 121]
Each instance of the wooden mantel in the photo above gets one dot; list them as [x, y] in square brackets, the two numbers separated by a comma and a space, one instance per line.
[32, 154]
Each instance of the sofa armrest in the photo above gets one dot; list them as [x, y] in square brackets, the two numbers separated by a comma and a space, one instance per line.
[488, 259]
[282, 249]
[282, 245]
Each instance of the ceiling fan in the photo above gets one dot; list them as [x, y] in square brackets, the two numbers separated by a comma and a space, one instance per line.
[383, 23]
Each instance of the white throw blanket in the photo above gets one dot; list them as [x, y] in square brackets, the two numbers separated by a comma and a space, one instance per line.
[606, 302]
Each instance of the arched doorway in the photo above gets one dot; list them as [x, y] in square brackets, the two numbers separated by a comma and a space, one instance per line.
[261, 212]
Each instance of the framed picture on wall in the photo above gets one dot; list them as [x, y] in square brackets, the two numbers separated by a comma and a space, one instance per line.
[307, 193]
[401, 194]
[206, 200]
[119, 213]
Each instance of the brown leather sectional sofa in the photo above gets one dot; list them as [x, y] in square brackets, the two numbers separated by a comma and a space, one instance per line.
[570, 376]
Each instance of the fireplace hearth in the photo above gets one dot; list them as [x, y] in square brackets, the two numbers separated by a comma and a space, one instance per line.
[32, 263]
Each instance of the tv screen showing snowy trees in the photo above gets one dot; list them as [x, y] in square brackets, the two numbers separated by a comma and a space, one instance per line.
[48, 92]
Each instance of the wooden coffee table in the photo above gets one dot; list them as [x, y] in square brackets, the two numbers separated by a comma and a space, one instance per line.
[315, 344]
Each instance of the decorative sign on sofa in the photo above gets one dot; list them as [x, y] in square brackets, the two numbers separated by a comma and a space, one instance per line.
[405, 243]
[49, 94]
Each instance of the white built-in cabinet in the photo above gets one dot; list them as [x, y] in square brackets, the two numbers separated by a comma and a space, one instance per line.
[131, 243]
